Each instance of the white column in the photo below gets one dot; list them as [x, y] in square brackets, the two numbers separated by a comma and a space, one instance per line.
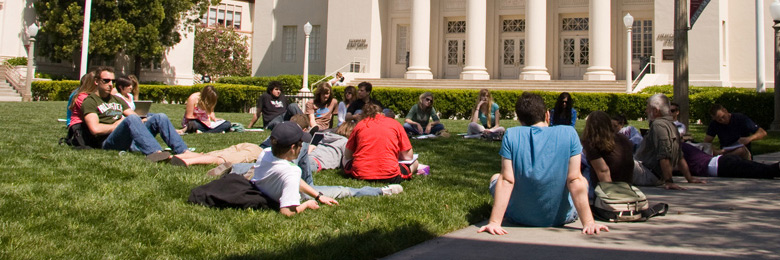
[419, 67]
[535, 41]
[599, 34]
[476, 27]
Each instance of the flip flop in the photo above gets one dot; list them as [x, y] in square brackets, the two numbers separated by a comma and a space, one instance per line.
[158, 157]
[221, 169]
[175, 160]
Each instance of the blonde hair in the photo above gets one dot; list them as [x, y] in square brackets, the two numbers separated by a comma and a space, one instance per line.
[485, 109]
[87, 86]
[208, 98]
[422, 98]
[345, 129]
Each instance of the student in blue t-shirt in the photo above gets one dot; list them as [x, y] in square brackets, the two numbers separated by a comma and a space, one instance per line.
[540, 166]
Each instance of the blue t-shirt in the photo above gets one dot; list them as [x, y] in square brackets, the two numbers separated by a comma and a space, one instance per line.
[573, 117]
[483, 117]
[540, 160]
[739, 126]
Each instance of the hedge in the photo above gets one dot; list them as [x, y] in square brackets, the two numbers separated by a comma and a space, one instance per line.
[457, 103]
[291, 84]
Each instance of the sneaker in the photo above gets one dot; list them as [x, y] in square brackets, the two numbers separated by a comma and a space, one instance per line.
[221, 169]
[423, 169]
[392, 189]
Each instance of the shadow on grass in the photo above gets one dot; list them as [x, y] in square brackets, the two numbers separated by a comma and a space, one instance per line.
[369, 244]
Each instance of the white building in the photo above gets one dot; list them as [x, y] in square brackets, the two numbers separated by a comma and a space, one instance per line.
[506, 39]
[175, 67]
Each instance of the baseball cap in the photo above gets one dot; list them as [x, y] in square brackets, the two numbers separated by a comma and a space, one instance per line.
[288, 133]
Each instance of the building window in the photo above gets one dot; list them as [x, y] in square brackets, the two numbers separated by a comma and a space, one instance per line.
[456, 27]
[575, 24]
[401, 44]
[289, 34]
[314, 43]
[152, 65]
[642, 39]
[223, 15]
[354, 67]
[513, 25]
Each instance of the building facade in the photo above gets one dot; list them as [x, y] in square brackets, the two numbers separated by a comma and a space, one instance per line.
[506, 39]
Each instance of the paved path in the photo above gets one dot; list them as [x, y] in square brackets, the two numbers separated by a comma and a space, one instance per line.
[726, 218]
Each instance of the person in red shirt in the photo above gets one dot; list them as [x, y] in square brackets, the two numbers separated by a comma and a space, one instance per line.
[379, 149]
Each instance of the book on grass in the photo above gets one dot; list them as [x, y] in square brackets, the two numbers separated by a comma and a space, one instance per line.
[254, 130]
[424, 136]
[414, 158]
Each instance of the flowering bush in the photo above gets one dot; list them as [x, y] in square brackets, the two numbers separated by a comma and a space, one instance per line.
[220, 52]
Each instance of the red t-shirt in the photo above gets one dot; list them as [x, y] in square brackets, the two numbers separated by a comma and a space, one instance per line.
[76, 116]
[376, 143]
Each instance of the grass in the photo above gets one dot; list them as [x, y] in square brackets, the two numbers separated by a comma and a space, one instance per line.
[61, 203]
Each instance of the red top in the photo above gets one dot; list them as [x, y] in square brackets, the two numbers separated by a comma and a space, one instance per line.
[76, 116]
[376, 143]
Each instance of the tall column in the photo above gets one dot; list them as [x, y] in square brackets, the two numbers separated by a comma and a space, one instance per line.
[599, 34]
[419, 67]
[476, 27]
[535, 41]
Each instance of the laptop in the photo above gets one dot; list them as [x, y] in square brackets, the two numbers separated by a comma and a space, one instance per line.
[142, 107]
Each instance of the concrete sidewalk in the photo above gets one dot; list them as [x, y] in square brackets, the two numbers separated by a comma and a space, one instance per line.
[725, 218]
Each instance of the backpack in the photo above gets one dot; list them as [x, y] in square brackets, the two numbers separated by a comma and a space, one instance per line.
[231, 191]
[622, 202]
[77, 138]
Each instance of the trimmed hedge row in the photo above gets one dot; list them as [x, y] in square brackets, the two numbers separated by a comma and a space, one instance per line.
[458, 103]
[291, 84]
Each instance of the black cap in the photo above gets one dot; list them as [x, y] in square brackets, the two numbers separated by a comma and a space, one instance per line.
[288, 133]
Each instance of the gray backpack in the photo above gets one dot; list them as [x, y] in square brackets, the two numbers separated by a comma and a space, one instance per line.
[622, 202]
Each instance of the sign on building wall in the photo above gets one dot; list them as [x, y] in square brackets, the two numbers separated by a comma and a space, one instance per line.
[696, 8]
[357, 44]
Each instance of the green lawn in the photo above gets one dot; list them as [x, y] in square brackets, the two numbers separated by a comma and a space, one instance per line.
[61, 203]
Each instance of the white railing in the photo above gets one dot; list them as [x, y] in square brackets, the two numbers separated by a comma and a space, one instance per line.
[649, 68]
[13, 77]
[355, 61]
[330, 74]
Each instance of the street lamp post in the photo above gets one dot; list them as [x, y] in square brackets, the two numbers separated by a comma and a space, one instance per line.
[628, 21]
[306, 30]
[32, 31]
[775, 11]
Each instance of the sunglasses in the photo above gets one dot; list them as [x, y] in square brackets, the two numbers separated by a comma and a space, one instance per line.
[106, 81]
[674, 110]
[429, 100]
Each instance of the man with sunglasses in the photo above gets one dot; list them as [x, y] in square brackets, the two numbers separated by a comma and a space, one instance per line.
[117, 127]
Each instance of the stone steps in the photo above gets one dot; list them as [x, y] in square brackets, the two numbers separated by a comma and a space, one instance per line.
[7, 93]
[502, 84]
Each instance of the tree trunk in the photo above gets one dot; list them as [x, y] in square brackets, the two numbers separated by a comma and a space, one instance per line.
[137, 67]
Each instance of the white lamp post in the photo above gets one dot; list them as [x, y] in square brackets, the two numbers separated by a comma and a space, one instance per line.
[775, 11]
[628, 21]
[306, 30]
[32, 31]
[85, 37]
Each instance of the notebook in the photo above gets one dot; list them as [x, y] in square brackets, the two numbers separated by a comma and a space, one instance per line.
[142, 107]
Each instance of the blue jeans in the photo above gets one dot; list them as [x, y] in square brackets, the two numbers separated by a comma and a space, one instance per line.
[412, 130]
[292, 109]
[132, 131]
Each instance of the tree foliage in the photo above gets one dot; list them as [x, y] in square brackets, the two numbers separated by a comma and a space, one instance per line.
[221, 52]
[142, 29]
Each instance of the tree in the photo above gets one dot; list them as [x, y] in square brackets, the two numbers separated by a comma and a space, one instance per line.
[221, 52]
[142, 29]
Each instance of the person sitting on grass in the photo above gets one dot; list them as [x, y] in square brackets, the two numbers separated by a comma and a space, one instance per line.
[103, 114]
[563, 113]
[608, 153]
[127, 90]
[280, 179]
[375, 147]
[86, 82]
[733, 129]
[322, 107]
[274, 107]
[199, 113]
[355, 110]
[422, 117]
[620, 123]
[349, 97]
[540, 168]
[485, 116]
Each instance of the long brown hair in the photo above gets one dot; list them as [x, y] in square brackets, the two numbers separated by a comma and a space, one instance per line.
[208, 99]
[371, 110]
[345, 129]
[351, 90]
[485, 109]
[322, 88]
[598, 132]
[87, 86]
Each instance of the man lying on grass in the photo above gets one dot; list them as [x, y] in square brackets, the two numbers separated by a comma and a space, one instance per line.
[540, 166]
[279, 178]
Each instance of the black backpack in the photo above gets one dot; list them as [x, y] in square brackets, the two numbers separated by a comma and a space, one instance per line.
[77, 137]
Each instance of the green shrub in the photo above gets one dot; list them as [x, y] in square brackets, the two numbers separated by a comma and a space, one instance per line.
[18, 61]
[291, 84]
